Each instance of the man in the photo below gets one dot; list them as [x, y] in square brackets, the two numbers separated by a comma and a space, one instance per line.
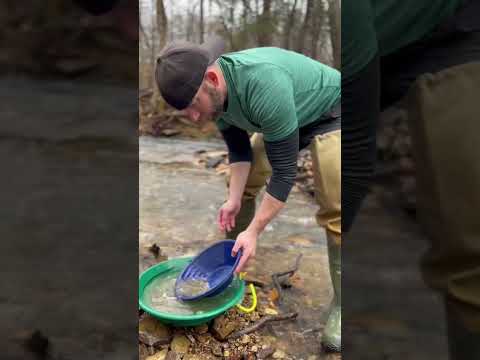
[289, 102]
[430, 50]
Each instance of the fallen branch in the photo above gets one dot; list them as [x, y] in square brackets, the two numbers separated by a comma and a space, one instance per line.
[290, 273]
[262, 322]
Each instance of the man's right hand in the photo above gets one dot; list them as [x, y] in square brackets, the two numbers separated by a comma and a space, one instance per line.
[227, 214]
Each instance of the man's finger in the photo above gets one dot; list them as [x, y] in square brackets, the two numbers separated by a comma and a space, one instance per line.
[241, 263]
[223, 220]
[235, 248]
[219, 220]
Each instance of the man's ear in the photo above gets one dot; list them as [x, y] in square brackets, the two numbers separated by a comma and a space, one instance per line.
[212, 77]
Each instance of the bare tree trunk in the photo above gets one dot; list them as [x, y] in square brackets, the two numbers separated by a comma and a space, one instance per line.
[201, 21]
[316, 28]
[162, 23]
[232, 22]
[265, 31]
[162, 30]
[334, 15]
[289, 25]
[305, 26]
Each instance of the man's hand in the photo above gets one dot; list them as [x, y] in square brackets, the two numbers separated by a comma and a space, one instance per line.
[247, 241]
[227, 214]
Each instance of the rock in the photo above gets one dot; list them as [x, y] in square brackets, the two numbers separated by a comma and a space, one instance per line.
[254, 316]
[216, 349]
[151, 332]
[222, 327]
[254, 348]
[180, 344]
[300, 241]
[201, 329]
[270, 311]
[214, 161]
[172, 355]
[226, 353]
[265, 353]
[273, 295]
[170, 132]
[193, 357]
[312, 357]
[278, 354]
[143, 352]
[161, 355]
[203, 338]
[245, 339]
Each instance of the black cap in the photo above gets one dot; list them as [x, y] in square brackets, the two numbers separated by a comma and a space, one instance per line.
[181, 67]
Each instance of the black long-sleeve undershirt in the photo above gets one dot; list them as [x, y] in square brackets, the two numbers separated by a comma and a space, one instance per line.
[281, 154]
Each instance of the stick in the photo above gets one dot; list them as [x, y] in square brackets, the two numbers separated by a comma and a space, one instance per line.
[290, 272]
[293, 270]
[262, 322]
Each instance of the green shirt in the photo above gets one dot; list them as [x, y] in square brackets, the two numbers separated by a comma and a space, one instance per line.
[383, 26]
[275, 91]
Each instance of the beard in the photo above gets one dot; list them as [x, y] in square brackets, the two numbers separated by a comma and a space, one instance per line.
[217, 102]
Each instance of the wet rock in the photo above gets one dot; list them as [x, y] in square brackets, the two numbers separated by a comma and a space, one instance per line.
[279, 354]
[180, 344]
[172, 355]
[170, 132]
[300, 241]
[265, 353]
[161, 355]
[222, 327]
[273, 295]
[214, 161]
[203, 338]
[193, 357]
[216, 349]
[201, 329]
[270, 311]
[151, 332]
[245, 339]
[255, 316]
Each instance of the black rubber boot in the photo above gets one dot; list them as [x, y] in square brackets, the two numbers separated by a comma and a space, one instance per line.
[332, 335]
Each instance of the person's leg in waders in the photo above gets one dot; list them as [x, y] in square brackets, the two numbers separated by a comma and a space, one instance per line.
[326, 162]
[260, 171]
[445, 125]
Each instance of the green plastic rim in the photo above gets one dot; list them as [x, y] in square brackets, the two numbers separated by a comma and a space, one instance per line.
[177, 265]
